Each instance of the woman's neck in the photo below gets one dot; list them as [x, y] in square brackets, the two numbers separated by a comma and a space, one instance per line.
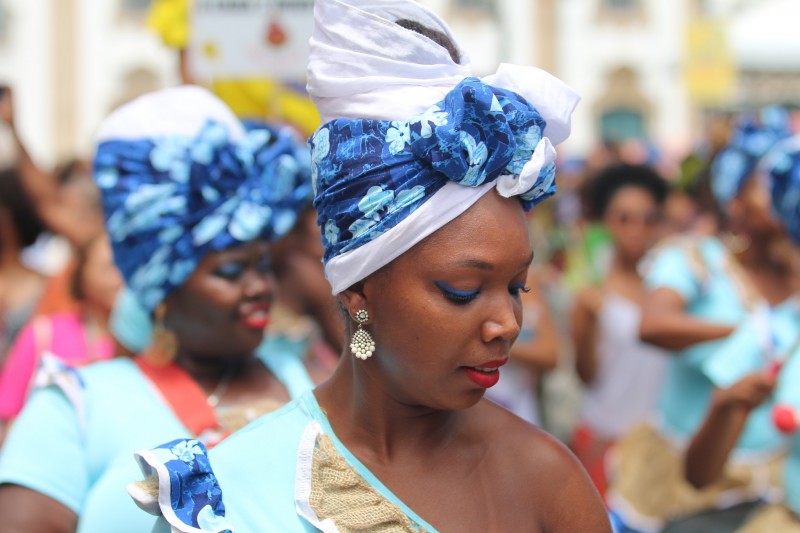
[367, 417]
[208, 372]
[757, 253]
[95, 318]
[768, 264]
[11, 263]
[626, 265]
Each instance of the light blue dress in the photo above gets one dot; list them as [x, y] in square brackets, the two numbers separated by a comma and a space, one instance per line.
[788, 394]
[75, 442]
[261, 477]
[701, 273]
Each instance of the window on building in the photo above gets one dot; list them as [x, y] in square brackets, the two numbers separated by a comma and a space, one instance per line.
[483, 6]
[621, 11]
[622, 124]
[622, 5]
[135, 6]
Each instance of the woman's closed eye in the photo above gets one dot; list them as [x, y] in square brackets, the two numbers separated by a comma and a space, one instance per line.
[231, 270]
[457, 296]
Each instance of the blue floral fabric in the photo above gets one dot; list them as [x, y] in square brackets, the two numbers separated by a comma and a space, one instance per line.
[783, 175]
[368, 175]
[754, 135]
[195, 494]
[169, 201]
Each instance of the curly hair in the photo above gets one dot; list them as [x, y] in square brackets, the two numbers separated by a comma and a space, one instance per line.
[600, 190]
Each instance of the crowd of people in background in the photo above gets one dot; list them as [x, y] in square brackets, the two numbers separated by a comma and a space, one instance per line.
[657, 340]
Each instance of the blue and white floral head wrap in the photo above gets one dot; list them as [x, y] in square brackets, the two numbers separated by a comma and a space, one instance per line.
[180, 176]
[411, 139]
[781, 167]
[754, 135]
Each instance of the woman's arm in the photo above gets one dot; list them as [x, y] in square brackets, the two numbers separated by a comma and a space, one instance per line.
[709, 450]
[23, 509]
[44, 477]
[584, 333]
[666, 324]
[42, 186]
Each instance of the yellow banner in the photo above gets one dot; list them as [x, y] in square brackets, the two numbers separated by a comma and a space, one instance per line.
[710, 66]
[249, 97]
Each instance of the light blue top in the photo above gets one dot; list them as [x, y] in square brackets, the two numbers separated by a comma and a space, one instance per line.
[698, 271]
[788, 393]
[85, 459]
[747, 351]
[257, 469]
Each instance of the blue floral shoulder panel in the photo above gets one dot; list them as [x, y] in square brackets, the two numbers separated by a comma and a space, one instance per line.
[187, 494]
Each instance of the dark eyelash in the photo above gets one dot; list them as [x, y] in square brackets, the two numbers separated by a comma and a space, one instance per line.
[456, 296]
[516, 289]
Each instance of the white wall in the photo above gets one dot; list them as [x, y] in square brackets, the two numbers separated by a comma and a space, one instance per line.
[590, 48]
[26, 65]
[110, 47]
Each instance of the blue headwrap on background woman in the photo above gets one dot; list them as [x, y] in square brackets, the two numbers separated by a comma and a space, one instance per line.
[782, 170]
[180, 176]
[755, 133]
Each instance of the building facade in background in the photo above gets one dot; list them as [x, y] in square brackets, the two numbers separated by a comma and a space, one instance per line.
[647, 69]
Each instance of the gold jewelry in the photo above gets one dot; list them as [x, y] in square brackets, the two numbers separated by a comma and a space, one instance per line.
[165, 343]
[735, 242]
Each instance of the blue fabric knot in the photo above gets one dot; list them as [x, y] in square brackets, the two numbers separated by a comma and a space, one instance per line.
[368, 175]
[169, 201]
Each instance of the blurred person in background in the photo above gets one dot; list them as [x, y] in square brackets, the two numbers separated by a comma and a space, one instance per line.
[21, 287]
[76, 337]
[701, 288]
[757, 368]
[306, 312]
[192, 200]
[68, 204]
[622, 374]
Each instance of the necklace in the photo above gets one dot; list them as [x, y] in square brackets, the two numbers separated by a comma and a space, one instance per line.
[216, 395]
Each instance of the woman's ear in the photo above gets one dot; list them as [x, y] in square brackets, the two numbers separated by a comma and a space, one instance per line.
[353, 299]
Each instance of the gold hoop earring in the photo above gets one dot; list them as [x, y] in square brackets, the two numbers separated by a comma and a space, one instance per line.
[736, 242]
[165, 343]
[362, 344]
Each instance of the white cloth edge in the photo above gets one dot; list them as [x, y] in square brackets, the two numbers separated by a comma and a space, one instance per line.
[302, 484]
[176, 111]
[445, 205]
[510, 185]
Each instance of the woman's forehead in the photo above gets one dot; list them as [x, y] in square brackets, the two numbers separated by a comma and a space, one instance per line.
[494, 230]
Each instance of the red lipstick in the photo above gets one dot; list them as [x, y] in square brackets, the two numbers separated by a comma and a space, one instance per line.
[256, 316]
[486, 374]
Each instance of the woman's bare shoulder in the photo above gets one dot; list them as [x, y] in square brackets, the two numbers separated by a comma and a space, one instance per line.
[532, 447]
[542, 473]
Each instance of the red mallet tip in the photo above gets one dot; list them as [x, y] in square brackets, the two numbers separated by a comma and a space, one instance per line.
[785, 419]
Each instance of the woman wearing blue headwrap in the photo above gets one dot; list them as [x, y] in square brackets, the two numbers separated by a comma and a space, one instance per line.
[757, 372]
[192, 200]
[705, 299]
[421, 202]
